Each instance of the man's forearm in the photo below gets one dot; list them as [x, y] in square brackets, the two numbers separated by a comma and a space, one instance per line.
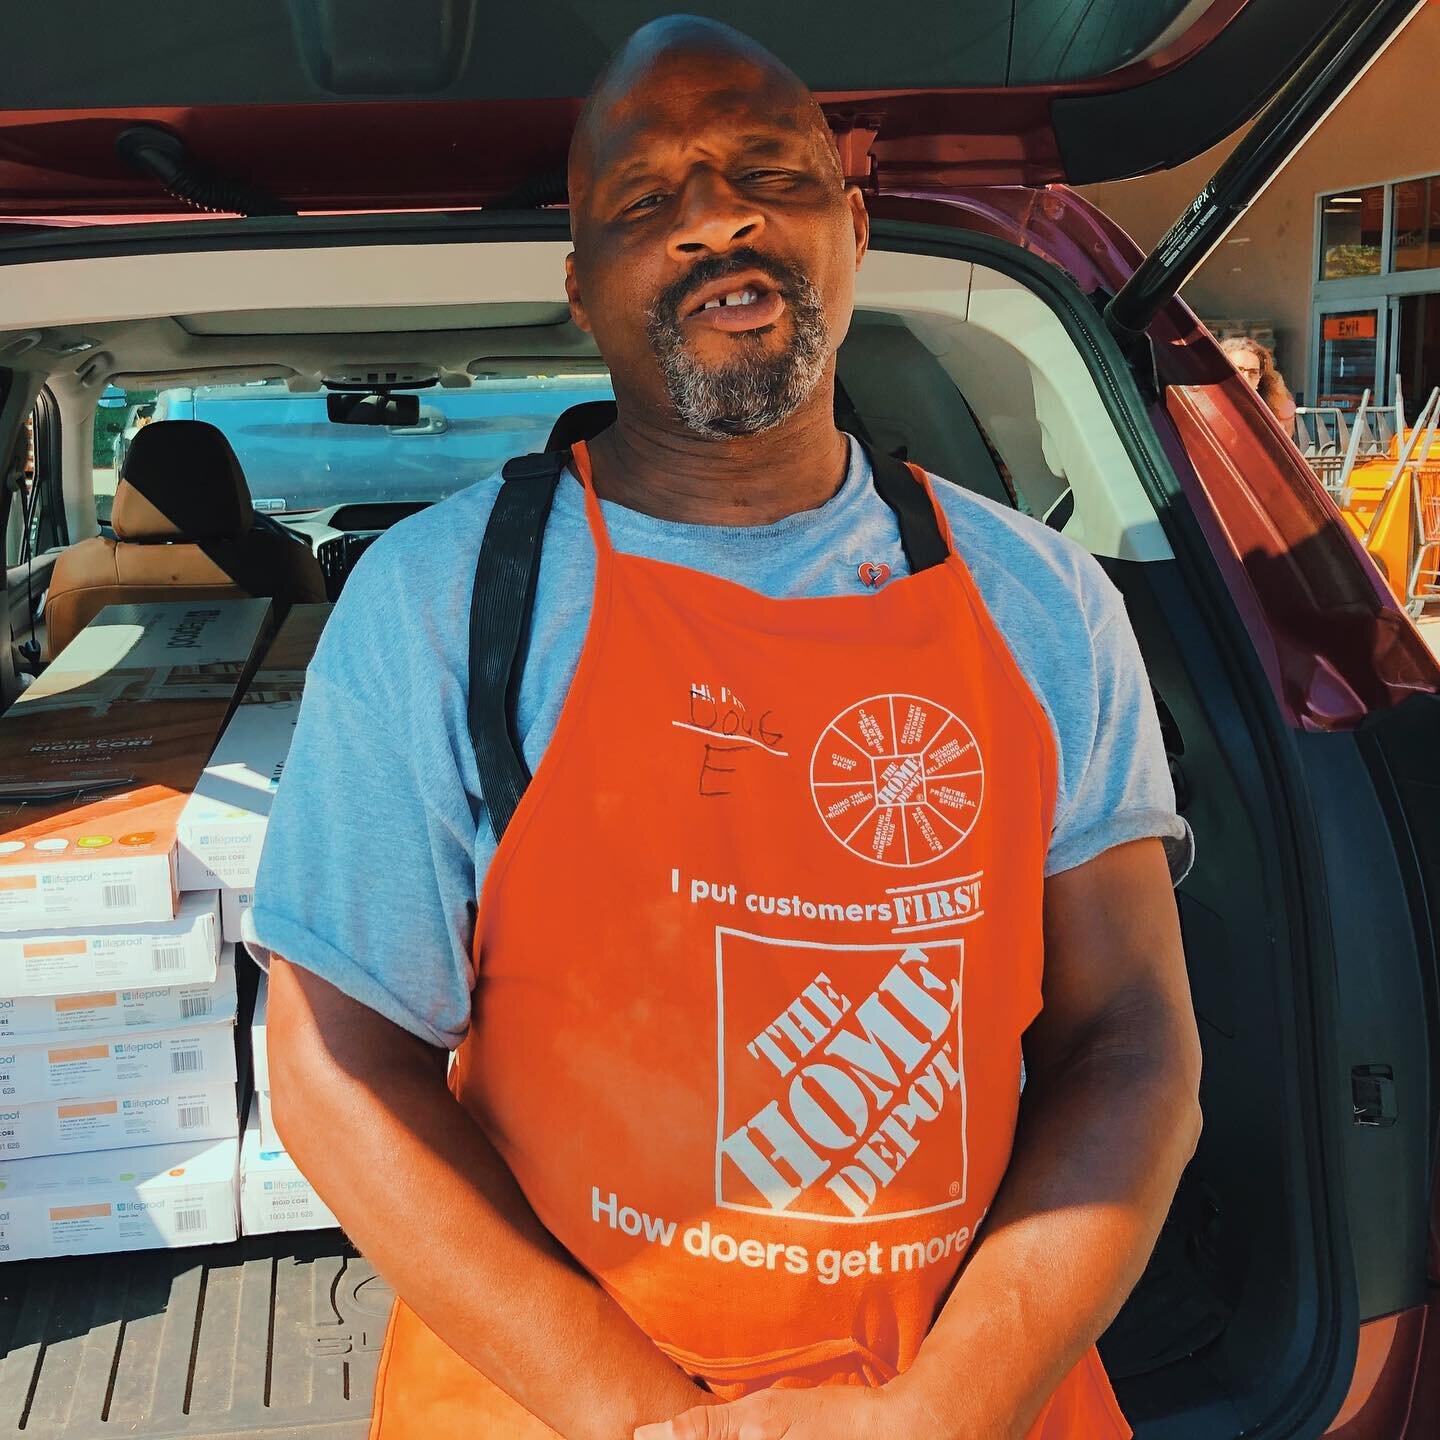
[426, 1197]
[1099, 1150]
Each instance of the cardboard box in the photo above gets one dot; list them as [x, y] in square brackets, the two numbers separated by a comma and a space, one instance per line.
[149, 1117]
[274, 1195]
[95, 769]
[264, 1109]
[87, 1067]
[222, 827]
[259, 1040]
[28, 1019]
[235, 906]
[55, 961]
[149, 1198]
[195, 643]
[281, 672]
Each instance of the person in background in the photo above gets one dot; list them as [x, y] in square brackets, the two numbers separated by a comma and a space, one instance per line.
[1257, 365]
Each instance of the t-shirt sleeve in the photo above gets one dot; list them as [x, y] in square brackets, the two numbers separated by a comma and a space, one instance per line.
[1118, 777]
[367, 877]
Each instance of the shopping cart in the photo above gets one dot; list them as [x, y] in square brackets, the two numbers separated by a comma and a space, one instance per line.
[1424, 474]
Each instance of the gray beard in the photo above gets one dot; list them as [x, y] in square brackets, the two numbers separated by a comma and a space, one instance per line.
[752, 393]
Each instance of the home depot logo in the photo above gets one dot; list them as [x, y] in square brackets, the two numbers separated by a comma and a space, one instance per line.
[847, 1101]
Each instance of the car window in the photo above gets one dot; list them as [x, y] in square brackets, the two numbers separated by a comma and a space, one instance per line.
[295, 458]
[118, 418]
[36, 517]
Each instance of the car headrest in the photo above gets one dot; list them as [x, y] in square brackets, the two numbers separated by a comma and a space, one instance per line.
[181, 481]
[581, 422]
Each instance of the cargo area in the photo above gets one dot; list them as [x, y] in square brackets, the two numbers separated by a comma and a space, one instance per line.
[274, 1335]
[965, 359]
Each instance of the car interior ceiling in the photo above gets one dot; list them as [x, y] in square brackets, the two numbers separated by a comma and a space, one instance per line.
[1211, 1318]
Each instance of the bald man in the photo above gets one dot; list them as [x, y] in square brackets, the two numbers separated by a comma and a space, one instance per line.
[825, 1063]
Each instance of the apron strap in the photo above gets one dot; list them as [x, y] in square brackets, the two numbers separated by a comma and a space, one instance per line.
[508, 570]
[506, 575]
[920, 534]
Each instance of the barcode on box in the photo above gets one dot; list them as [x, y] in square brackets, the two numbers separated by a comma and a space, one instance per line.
[193, 1117]
[186, 1062]
[192, 1006]
[190, 1219]
[167, 957]
[117, 897]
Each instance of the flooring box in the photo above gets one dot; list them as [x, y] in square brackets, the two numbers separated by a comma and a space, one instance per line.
[264, 1109]
[235, 907]
[259, 1033]
[87, 1067]
[149, 1198]
[60, 961]
[205, 646]
[148, 1117]
[109, 1012]
[222, 827]
[274, 1195]
[94, 773]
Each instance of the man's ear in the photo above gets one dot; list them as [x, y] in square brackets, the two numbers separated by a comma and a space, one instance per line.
[572, 294]
[860, 219]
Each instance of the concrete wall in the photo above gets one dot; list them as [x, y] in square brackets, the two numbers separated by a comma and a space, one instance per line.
[1385, 129]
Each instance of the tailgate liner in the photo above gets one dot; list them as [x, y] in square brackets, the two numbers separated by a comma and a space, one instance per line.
[275, 1334]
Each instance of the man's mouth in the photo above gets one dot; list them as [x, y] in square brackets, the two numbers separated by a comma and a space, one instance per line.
[735, 304]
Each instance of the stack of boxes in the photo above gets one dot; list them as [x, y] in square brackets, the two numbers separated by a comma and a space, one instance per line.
[221, 833]
[117, 1001]
[274, 1195]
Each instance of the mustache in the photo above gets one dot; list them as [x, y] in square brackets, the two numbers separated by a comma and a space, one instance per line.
[789, 281]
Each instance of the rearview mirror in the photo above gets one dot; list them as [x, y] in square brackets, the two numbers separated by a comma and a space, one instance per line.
[349, 407]
[112, 398]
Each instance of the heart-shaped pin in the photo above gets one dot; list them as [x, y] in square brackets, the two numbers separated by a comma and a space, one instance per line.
[874, 573]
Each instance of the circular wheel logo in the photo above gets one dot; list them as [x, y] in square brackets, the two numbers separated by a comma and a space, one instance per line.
[897, 779]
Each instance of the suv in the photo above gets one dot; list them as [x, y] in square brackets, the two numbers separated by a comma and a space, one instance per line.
[1008, 335]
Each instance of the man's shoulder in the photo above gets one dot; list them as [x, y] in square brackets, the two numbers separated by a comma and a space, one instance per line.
[1031, 576]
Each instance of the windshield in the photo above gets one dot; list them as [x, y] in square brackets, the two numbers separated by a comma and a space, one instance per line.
[295, 458]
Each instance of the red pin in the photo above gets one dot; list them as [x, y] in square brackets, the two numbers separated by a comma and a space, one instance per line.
[874, 574]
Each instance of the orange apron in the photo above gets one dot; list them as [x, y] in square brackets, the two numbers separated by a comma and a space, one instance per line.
[755, 957]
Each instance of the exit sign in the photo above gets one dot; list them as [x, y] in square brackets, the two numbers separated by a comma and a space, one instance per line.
[1348, 327]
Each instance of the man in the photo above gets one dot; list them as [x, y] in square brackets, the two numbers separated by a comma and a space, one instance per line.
[734, 1145]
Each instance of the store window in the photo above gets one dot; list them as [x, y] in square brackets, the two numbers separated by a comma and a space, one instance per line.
[1352, 227]
[1417, 224]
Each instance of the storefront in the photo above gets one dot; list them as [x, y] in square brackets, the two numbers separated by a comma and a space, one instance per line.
[1376, 300]
[1337, 263]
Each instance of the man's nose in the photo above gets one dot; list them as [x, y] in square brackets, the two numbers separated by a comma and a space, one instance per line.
[713, 216]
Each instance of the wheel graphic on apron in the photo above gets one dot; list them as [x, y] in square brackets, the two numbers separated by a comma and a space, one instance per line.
[897, 779]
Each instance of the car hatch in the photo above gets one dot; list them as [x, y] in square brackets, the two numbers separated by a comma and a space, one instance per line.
[283, 105]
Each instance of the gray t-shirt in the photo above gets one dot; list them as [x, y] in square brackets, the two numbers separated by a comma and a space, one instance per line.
[378, 839]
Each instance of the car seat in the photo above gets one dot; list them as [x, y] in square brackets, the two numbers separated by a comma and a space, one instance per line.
[184, 530]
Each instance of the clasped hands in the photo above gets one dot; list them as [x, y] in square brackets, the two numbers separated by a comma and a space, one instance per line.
[840, 1412]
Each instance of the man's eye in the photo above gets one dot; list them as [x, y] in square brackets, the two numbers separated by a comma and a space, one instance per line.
[646, 202]
[766, 175]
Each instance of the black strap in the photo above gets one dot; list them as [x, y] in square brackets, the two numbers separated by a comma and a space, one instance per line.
[506, 574]
[508, 570]
[920, 535]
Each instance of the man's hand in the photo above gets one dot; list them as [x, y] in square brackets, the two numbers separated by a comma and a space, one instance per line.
[841, 1412]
